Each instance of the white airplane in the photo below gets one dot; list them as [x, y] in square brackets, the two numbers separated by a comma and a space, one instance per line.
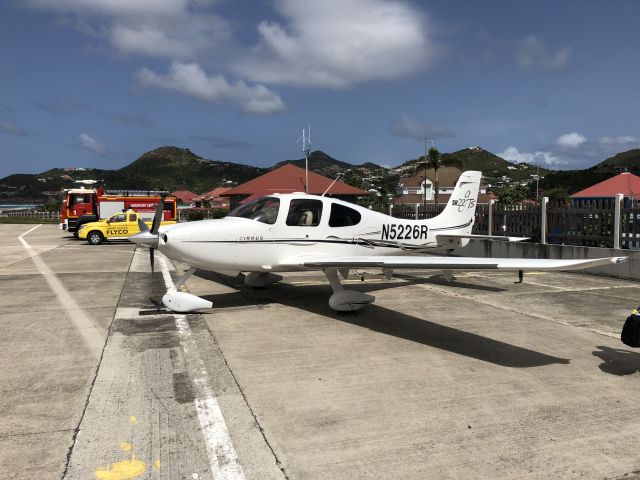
[296, 232]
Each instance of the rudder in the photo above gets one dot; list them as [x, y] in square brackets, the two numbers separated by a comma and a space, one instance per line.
[459, 213]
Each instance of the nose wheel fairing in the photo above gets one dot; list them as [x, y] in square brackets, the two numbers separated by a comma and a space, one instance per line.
[183, 302]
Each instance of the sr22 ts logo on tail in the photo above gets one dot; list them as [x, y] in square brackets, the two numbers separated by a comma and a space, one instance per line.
[404, 232]
[464, 203]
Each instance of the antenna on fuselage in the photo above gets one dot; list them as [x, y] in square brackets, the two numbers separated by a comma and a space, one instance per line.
[306, 148]
[329, 187]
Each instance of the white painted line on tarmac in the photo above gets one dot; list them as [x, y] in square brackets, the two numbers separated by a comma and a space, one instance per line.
[222, 455]
[93, 334]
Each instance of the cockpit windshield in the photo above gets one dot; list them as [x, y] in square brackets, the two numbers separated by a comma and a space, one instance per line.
[263, 210]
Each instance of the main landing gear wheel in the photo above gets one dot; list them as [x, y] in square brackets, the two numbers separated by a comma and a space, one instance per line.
[95, 237]
[345, 300]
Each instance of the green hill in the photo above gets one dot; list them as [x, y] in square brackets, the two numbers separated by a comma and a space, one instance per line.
[493, 167]
[171, 168]
[572, 181]
[165, 168]
[323, 164]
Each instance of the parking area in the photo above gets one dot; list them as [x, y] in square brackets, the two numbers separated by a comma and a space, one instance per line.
[477, 377]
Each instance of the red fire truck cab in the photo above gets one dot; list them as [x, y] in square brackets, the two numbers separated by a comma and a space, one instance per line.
[83, 205]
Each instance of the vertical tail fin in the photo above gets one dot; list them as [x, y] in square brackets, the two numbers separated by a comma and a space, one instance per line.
[459, 214]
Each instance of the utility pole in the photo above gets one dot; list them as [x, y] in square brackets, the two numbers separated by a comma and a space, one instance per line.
[536, 177]
[424, 182]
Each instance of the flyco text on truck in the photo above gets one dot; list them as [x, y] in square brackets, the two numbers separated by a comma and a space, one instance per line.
[80, 206]
[117, 227]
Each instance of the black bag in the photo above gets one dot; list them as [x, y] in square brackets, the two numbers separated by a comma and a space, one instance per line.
[631, 331]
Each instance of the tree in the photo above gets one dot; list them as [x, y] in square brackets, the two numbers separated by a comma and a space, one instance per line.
[511, 194]
[558, 195]
[435, 162]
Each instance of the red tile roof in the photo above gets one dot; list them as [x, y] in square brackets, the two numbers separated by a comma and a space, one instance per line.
[185, 196]
[288, 179]
[625, 183]
[216, 192]
[447, 177]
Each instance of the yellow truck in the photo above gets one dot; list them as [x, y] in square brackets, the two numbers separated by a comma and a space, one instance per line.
[119, 226]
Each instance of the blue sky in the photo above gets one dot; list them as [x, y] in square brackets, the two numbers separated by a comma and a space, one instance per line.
[96, 83]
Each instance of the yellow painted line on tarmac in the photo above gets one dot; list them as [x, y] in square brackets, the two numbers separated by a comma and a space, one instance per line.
[123, 470]
[126, 446]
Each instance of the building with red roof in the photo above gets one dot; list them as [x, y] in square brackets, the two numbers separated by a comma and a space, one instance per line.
[412, 190]
[289, 179]
[214, 197]
[626, 183]
[184, 196]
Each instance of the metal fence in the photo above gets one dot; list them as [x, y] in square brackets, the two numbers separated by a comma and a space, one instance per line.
[592, 223]
[30, 213]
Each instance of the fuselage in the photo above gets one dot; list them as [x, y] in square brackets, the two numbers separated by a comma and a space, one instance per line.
[260, 235]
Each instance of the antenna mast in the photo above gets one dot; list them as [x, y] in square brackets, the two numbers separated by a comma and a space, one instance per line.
[306, 148]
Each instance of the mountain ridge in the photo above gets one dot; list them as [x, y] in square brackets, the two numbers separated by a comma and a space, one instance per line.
[172, 168]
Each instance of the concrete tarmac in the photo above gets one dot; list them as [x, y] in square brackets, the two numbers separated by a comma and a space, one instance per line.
[474, 378]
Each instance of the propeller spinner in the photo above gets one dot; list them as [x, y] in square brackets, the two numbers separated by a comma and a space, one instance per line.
[150, 238]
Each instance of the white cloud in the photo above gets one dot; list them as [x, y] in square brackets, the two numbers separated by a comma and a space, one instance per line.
[338, 44]
[573, 150]
[183, 36]
[619, 140]
[330, 44]
[190, 79]
[113, 7]
[176, 29]
[541, 158]
[531, 53]
[91, 144]
[12, 129]
[409, 128]
[571, 140]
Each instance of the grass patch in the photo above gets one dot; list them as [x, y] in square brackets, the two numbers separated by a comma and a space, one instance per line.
[28, 220]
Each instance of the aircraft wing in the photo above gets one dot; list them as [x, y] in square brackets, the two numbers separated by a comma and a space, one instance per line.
[444, 263]
[440, 238]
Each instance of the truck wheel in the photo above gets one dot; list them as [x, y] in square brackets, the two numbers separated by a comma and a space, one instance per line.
[95, 237]
[75, 234]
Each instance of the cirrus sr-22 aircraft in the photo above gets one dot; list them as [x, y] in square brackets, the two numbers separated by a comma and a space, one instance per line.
[296, 231]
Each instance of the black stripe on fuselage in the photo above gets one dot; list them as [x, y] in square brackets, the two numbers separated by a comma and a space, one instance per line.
[450, 228]
[362, 242]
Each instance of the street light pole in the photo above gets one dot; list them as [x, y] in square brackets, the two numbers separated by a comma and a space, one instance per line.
[424, 181]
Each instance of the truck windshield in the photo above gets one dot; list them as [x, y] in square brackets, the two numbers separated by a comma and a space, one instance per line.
[263, 210]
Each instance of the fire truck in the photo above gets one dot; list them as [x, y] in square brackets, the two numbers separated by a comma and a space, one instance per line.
[83, 205]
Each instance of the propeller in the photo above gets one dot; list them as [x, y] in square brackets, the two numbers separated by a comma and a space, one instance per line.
[155, 227]
[149, 238]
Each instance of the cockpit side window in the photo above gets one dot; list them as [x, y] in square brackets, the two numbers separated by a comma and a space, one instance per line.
[263, 210]
[304, 213]
[342, 216]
